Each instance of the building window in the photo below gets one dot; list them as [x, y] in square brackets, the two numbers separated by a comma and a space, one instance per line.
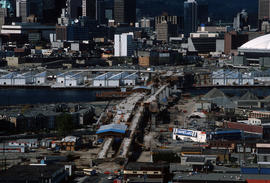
[62, 81]
[135, 172]
[5, 83]
[38, 81]
[100, 84]
[155, 172]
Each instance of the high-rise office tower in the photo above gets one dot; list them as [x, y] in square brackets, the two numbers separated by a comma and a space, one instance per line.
[125, 11]
[73, 8]
[123, 45]
[6, 10]
[89, 9]
[36, 8]
[3, 15]
[59, 5]
[9, 6]
[166, 27]
[190, 17]
[240, 22]
[22, 9]
[100, 11]
[264, 9]
[202, 12]
[94, 9]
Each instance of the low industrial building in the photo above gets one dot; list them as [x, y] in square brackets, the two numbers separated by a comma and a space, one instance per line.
[35, 173]
[29, 143]
[227, 77]
[131, 80]
[117, 79]
[40, 78]
[70, 143]
[146, 172]
[102, 80]
[17, 79]
[70, 79]
[7, 79]
[263, 153]
[12, 149]
[23, 79]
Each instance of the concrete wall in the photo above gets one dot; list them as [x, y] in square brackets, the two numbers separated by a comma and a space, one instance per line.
[60, 80]
[71, 82]
[114, 83]
[130, 82]
[97, 83]
[40, 80]
[240, 60]
[6, 81]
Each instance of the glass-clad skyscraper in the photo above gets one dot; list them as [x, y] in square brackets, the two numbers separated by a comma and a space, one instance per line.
[190, 17]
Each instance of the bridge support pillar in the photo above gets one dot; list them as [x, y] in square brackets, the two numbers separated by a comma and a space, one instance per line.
[160, 97]
[152, 90]
[167, 92]
[174, 88]
[153, 121]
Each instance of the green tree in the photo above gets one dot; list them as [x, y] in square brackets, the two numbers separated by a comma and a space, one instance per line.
[64, 124]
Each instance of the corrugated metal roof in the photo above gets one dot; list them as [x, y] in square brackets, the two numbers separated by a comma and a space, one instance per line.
[70, 75]
[119, 76]
[104, 76]
[214, 93]
[9, 76]
[24, 75]
[249, 96]
[132, 76]
[42, 74]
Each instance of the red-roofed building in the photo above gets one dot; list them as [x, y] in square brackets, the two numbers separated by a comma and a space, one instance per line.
[245, 127]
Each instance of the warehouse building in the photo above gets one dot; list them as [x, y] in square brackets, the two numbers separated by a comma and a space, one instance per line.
[23, 79]
[131, 79]
[55, 173]
[7, 79]
[117, 80]
[17, 79]
[227, 77]
[70, 79]
[40, 78]
[102, 80]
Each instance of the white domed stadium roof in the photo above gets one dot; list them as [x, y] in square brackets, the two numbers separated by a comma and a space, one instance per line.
[261, 43]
